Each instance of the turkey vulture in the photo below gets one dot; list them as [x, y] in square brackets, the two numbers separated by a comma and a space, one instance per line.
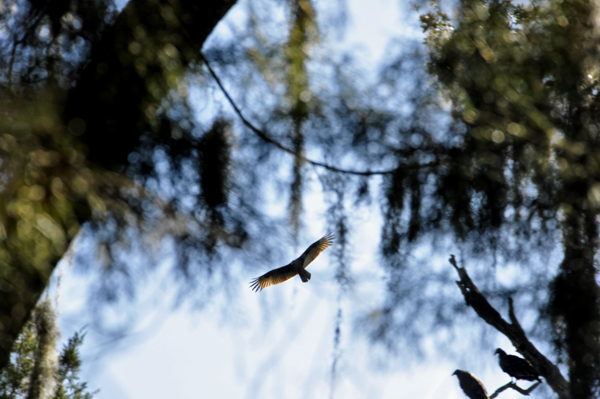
[517, 367]
[470, 385]
[282, 274]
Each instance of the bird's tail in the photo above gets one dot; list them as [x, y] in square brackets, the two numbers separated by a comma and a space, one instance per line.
[304, 275]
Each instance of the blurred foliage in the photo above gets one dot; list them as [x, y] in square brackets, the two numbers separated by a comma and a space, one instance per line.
[522, 81]
[71, 114]
[47, 192]
[35, 371]
[44, 40]
[111, 122]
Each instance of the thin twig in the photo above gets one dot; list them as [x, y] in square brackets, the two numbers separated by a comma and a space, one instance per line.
[268, 139]
[517, 388]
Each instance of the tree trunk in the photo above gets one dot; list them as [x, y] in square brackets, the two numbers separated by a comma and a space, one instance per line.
[131, 68]
[575, 304]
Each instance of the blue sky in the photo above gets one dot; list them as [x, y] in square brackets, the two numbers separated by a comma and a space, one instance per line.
[278, 343]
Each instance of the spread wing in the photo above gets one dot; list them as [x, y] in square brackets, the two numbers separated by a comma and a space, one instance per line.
[274, 277]
[316, 248]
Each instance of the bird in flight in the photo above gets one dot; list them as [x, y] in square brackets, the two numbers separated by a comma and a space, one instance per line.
[298, 266]
[470, 385]
[516, 367]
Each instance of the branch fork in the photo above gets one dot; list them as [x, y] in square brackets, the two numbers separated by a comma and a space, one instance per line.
[513, 331]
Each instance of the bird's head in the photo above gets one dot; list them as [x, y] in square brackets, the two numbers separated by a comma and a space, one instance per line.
[457, 372]
[499, 352]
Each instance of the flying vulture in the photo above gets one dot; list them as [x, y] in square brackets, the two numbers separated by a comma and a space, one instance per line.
[298, 266]
[470, 385]
[517, 367]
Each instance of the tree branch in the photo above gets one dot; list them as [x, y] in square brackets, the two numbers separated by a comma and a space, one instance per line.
[512, 331]
[268, 139]
[120, 90]
[517, 388]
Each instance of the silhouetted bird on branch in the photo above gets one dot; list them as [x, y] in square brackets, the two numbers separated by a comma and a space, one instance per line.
[517, 367]
[470, 385]
[298, 266]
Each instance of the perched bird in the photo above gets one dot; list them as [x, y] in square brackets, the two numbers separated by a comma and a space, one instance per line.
[298, 266]
[470, 385]
[517, 367]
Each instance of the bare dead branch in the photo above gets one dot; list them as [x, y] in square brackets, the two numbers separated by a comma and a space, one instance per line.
[512, 331]
[517, 388]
